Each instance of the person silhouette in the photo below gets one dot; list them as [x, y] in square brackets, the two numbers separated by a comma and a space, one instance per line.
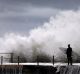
[69, 54]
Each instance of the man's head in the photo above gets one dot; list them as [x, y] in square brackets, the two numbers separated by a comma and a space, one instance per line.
[68, 45]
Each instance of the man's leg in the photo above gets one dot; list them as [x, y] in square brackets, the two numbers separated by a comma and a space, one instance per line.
[68, 60]
[71, 60]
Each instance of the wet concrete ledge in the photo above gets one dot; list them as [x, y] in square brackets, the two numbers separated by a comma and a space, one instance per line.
[39, 69]
[27, 69]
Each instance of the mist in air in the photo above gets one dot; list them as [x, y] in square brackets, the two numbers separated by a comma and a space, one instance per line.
[61, 30]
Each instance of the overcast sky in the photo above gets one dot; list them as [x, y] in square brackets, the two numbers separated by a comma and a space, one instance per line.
[20, 16]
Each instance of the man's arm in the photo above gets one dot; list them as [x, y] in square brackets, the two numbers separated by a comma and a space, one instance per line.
[66, 50]
[71, 49]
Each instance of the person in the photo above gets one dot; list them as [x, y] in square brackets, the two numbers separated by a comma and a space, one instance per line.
[69, 54]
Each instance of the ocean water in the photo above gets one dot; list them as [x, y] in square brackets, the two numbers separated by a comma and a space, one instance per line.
[69, 70]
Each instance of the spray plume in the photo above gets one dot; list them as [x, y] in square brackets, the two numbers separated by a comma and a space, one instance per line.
[61, 30]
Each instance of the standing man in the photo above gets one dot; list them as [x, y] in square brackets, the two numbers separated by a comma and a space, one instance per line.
[69, 54]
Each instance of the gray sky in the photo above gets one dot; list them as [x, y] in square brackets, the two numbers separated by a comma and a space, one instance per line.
[20, 16]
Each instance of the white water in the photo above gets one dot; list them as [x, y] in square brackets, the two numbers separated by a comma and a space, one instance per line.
[70, 70]
[61, 30]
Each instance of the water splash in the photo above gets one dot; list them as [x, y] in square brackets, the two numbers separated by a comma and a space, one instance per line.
[61, 30]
